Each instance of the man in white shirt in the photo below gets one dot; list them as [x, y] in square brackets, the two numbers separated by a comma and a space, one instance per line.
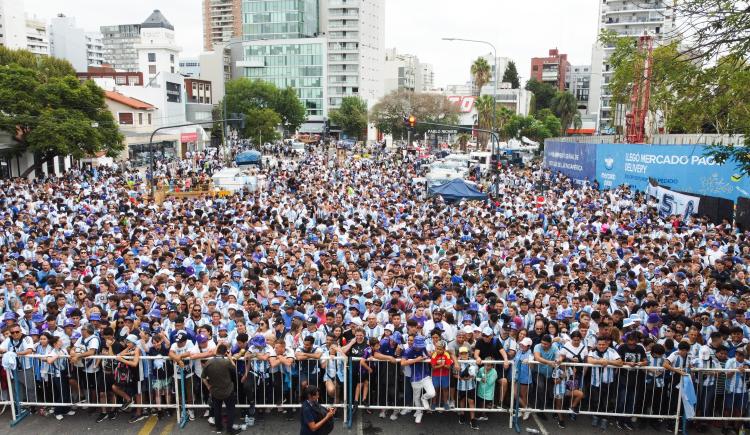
[21, 344]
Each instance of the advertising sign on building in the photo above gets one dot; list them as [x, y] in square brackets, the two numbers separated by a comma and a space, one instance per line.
[576, 160]
[465, 104]
[678, 167]
[674, 203]
[188, 137]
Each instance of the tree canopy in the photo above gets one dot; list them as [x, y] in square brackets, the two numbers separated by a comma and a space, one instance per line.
[511, 76]
[50, 112]
[544, 93]
[481, 72]
[351, 116]
[243, 95]
[388, 113]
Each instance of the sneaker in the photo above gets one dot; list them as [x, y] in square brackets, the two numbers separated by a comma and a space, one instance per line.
[382, 414]
[603, 424]
[417, 417]
[482, 418]
[191, 415]
[572, 417]
[461, 419]
[573, 411]
[59, 417]
[126, 405]
[473, 424]
[594, 421]
[112, 415]
[561, 424]
[394, 416]
[404, 411]
[433, 407]
[619, 425]
[71, 413]
[102, 416]
[452, 404]
[206, 414]
[628, 426]
[447, 406]
[526, 415]
[211, 421]
[137, 418]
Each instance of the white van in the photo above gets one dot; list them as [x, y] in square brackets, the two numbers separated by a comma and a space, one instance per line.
[483, 158]
[298, 148]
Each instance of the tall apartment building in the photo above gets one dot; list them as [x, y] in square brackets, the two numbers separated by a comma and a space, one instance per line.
[12, 24]
[68, 41]
[356, 48]
[94, 49]
[282, 46]
[401, 71]
[157, 50]
[629, 19]
[579, 84]
[37, 39]
[119, 43]
[552, 69]
[428, 77]
[222, 21]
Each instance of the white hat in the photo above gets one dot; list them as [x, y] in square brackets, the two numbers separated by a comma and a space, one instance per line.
[390, 327]
[28, 307]
[468, 329]
[527, 341]
[132, 338]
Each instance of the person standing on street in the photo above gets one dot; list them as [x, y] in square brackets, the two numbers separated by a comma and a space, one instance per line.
[315, 419]
[218, 375]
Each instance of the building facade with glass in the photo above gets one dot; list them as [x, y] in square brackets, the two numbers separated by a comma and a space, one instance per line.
[295, 63]
[279, 19]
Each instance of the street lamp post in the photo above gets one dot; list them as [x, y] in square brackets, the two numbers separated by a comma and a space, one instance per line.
[494, 87]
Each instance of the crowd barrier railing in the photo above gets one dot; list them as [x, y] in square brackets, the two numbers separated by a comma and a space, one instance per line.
[478, 390]
[608, 394]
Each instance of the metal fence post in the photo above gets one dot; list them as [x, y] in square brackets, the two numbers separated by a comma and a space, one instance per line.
[679, 413]
[513, 403]
[182, 416]
[348, 393]
[17, 412]
[515, 409]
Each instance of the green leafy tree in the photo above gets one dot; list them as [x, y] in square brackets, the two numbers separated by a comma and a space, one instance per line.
[577, 121]
[261, 125]
[511, 76]
[565, 107]
[538, 130]
[544, 93]
[351, 117]
[243, 94]
[485, 105]
[481, 72]
[463, 139]
[388, 113]
[50, 112]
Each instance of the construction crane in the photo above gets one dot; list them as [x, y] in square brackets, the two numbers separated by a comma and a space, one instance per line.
[635, 120]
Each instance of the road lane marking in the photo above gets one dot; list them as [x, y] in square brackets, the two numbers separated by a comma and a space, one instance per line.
[541, 426]
[168, 428]
[148, 426]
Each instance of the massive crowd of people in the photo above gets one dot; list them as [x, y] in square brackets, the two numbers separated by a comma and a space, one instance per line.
[352, 259]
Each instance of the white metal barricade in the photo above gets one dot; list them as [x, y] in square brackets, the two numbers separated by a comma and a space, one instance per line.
[722, 396]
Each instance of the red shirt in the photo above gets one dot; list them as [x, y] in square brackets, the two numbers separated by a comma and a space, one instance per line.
[444, 357]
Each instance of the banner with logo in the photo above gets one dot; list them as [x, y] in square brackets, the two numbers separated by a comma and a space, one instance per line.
[679, 167]
[576, 160]
[674, 203]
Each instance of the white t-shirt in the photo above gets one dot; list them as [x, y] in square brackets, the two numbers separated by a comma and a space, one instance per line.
[10, 345]
[85, 344]
[189, 348]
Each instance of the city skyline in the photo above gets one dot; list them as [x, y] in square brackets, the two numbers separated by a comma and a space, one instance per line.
[573, 27]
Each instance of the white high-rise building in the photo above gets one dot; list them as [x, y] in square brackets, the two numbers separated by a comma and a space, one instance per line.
[157, 51]
[356, 48]
[12, 24]
[94, 48]
[37, 40]
[629, 19]
[401, 71]
[428, 77]
[67, 41]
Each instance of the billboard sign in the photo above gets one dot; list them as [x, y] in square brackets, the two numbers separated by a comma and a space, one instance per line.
[678, 167]
[575, 160]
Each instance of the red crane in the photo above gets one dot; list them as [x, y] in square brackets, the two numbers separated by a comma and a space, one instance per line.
[635, 120]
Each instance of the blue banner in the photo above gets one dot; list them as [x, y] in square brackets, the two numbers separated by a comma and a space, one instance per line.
[575, 160]
[678, 167]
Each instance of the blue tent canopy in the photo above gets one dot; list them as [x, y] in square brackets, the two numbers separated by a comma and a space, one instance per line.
[456, 190]
[249, 158]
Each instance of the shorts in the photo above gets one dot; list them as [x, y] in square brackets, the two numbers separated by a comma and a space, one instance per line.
[737, 401]
[466, 395]
[440, 382]
[128, 387]
[161, 384]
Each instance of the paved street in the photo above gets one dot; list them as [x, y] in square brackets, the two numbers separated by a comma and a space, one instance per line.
[82, 424]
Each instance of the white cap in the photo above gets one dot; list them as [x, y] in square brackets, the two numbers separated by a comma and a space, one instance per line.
[527, 341]
[487, 331]
[389, 327]
[468, 329]
[28, 307]
[132, 338]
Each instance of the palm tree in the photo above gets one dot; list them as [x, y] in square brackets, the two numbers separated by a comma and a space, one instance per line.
[484, 107]
[463, 139]
[481, 72]
[504, 115]
[565, 107]
[577, 121]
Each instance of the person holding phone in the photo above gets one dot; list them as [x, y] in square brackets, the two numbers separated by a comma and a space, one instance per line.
[218, 376]
[315, 419]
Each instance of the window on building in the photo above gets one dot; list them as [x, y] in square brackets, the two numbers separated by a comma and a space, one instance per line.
[120, 80]
[535, 68]
[152, 69]
[140, 119]
[149, 119]
[152, 57]
[61, 164]
[51, 166]
[125, 118]
[171, 69]
[171, 58]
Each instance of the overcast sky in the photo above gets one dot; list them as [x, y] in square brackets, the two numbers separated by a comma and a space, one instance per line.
[519, 29]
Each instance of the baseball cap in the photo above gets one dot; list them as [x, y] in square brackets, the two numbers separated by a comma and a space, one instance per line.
[463, 349]
[419, 342]
[487, 331]
[527, 341]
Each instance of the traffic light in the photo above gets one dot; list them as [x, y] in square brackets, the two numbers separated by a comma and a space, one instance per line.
[412, 121]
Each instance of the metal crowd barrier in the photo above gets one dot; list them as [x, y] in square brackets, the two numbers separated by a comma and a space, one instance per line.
[386, 386]
[607, 394]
